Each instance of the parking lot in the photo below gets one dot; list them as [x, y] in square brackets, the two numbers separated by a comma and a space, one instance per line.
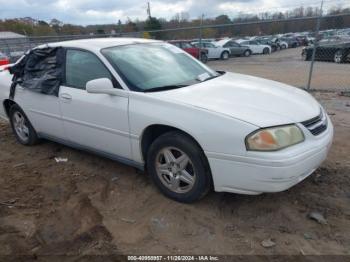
[287, 66]
[91, 205]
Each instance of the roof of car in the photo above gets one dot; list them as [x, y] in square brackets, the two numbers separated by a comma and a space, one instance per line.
[7, 34]
[96, 44]
[223, 41]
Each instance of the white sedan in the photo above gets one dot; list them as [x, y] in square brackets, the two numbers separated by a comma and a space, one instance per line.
[255, 46]
[151, 105]
[214, 51]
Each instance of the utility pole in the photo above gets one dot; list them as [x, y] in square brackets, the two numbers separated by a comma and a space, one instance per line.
[149, 9]
[315, 46]
[200, 31]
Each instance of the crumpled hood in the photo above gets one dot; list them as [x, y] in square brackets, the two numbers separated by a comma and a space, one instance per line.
[251, 99]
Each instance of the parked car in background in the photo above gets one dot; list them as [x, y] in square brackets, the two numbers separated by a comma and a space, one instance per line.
[282, 44]
[267, 41]
[4, 60]
[199, 53]
[337, 52]
[214, 51]
[302, 40]
[291, 41]
[149, 104]
[235, 48]
[255, 46]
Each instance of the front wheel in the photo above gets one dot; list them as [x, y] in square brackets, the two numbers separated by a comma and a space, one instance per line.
[338, 57]
[266, 51]
[225, 55]
[204, 58]
[178, 167]
[247, 53]
[21, 127]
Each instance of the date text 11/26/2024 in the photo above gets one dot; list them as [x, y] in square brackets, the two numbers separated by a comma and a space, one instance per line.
[173, 258]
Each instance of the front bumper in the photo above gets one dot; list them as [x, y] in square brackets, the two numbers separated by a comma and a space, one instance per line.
[260, 172]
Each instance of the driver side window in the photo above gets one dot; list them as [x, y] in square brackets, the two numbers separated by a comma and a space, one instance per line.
[82, 67]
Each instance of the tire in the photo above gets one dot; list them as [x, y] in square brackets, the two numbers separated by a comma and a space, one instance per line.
[266, 51]
[305, 56]
[21, 127]
[192, 179]
[225, 55]
[204, 58]
[338, 57]
[247, 53]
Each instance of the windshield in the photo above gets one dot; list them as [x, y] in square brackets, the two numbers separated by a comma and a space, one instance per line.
[150, 66]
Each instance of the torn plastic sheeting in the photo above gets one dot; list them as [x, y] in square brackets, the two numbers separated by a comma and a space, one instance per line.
[41, 70]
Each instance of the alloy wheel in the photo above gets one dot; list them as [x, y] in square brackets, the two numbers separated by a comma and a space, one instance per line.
[20, 126]
[338, 57]
[175, 170]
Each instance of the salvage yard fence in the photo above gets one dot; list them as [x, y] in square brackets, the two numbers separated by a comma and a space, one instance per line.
[318, 56]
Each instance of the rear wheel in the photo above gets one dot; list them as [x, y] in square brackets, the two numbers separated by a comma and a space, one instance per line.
[225, 55]
[339, 56]
[178, 167]
[247, 53]
[22, 128]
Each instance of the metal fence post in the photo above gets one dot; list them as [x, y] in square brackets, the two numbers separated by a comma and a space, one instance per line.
[315, 47]
[200, 31]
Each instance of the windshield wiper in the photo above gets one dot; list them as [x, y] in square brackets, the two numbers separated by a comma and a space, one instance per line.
[164, 88]
[211, 77]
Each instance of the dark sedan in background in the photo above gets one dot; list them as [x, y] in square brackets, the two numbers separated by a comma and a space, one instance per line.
[338, 52]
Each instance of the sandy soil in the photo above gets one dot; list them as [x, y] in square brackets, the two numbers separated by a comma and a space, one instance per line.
[91, 205]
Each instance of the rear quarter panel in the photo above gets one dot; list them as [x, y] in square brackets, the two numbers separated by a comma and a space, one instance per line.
[5, 83]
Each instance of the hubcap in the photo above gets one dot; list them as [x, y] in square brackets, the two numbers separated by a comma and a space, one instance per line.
[337, 57]
[20, 125]
[175, 170]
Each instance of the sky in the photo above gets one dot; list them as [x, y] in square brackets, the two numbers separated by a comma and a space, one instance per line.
[86, 12]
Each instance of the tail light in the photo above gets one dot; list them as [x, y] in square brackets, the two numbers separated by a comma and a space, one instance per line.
[4, 61]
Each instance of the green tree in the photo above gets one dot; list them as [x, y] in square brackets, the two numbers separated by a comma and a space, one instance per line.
[153, 23]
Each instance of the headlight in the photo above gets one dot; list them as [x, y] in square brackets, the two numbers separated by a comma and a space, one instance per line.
[274, 138]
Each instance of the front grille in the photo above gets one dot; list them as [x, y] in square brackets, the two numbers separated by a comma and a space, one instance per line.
[316, 125]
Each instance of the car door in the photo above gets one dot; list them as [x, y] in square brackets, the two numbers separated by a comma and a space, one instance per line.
[228, 45]
[239, 49]
[255, 47]
[212, 51]
[42, 110]
[94, 121]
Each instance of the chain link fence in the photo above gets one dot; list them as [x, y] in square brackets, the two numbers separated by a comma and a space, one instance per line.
[307, 52]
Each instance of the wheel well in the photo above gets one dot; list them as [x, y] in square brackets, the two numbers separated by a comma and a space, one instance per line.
[7, 105]
[151, 133]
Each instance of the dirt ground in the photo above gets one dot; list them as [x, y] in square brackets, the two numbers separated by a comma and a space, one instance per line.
[91, 205]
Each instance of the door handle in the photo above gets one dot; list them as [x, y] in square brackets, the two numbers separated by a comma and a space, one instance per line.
[66, 96]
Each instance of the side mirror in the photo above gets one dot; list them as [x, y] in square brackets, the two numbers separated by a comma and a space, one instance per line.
[104, 86]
